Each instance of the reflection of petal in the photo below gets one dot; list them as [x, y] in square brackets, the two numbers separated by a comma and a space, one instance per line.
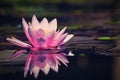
[35, 71]
[17, 54]
[46, 69]
[55, 68]
[18, 42]
[51, 60]
[27, 64]
[43, 62]
[62, 58]
[70, 53]
[41, 57]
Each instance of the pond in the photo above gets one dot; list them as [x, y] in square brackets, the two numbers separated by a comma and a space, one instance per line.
[96, 51]
[92, 60]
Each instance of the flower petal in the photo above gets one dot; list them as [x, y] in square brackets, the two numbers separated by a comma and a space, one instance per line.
[35, 22]
[44, 21]
[67, 38]
[37, 38]
[41, 43]
[33, 37]
[58, 35]
[25, 27]
[44, 25]
[49, 38]
[53, 25]
[18, 42]
[59, 40]
[39, 33]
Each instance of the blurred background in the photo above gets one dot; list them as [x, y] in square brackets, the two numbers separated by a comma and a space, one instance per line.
[76, 14]
[98, 19]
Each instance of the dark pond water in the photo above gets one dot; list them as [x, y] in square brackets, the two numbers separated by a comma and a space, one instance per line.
[92, 61]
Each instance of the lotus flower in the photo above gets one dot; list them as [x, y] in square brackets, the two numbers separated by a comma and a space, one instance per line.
[42, 35]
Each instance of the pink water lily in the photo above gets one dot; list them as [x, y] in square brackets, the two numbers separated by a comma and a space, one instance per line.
[41, 35]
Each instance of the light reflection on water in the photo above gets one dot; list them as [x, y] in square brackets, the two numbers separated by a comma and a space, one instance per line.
[91, 61]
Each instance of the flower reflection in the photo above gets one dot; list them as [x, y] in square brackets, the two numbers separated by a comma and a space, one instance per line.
[42, 36]
[44, 62]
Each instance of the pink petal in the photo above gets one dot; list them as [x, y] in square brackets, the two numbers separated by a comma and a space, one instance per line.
[49, 38]
[44, 21]
[59, 40]
[44, 24]
[50, 35]
[37, 38]
[67, 38]
[53, 25]
[33, 37]
[25, 27]
[35, 22]
[17, 54]
[18, 42]
[41, 42]
[39, 33]
[36, 34]
[60, 33]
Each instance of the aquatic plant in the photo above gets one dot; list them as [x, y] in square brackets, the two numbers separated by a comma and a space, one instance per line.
[42, 36]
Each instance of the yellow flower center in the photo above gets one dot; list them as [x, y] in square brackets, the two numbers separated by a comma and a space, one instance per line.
[47, 31]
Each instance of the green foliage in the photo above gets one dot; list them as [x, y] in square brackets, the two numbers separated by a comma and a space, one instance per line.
[72, 27]
[115, 22]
